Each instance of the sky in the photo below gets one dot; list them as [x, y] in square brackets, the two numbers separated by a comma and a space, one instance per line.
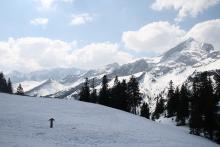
[44, 34]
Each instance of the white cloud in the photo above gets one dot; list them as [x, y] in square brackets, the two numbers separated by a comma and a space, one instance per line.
[34, 53]
[98, 54]
[31, 53]
[184, 7]
[68, 1]
[161, 36]
[156, 36]
[208, 31]
[39, 21]
[49, 4]
[79, 19]
[46, 4]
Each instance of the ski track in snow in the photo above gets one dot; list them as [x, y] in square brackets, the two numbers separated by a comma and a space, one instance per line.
[24, 123]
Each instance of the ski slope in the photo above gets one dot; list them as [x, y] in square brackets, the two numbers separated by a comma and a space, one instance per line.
[24, 123]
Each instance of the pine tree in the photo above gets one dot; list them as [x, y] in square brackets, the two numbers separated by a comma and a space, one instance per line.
[176, 99]
[134, 95]
[171, 108]
[104, 92]
[119, 95]
[9, 87]
[3, 83]
[195, 121]
[115, 94]
[20, 90]
[183, 105]
[93, 95]
[124, 96]
[159, 109]
[217, 133]
[208, 105]
[85, 92]
[145, 111]
[217, 95]
[217, 88]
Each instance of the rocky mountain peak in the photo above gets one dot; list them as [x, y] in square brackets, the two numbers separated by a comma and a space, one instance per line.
[188, 52]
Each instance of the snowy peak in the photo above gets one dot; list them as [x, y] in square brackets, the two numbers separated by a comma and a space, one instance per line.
[131, 68]
[46, 88]
[55, 73]
[188, 52]
[112, 66]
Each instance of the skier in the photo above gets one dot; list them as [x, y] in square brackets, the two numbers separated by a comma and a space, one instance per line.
[51, 122]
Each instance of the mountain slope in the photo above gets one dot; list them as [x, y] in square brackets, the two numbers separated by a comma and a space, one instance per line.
[27, 85]
[154, 73]
[55, 74]
[82, 124]
[47, 87]
[176, 64]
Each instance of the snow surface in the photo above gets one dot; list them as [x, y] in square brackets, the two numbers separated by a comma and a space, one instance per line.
[24, 123]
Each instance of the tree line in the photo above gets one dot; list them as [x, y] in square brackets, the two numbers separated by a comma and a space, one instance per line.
[198, 106]
[122, 95]
[6, 86]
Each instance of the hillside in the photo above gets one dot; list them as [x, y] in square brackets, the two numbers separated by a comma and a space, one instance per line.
[24, 123]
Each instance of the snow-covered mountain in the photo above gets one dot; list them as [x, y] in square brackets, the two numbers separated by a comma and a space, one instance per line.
[154, 74]
[46, 88]
[24, 123]
[55, 74]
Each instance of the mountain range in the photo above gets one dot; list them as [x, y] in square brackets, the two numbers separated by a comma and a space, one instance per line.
[154, 74]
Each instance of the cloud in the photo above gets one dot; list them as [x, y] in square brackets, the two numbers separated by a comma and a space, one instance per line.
[161, 36]
[80, 19]
[46, 4]
[155, 36]
[39, 21]
[68, 1]
[184, 7]
[98, 54]
[49, 4]
[30, 53]
[35, 53]
[208, 31]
